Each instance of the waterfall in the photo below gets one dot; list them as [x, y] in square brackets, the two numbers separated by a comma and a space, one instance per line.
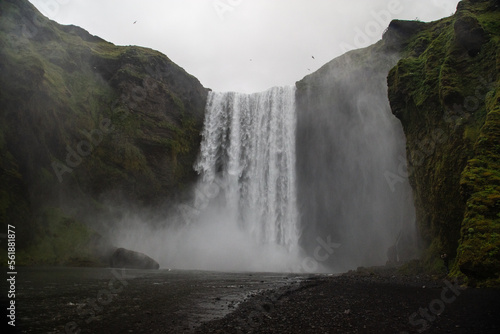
[248, 151]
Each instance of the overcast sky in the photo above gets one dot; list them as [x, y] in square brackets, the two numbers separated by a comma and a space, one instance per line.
[243, 45]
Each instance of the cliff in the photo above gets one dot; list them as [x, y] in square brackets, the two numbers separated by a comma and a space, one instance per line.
[397, 143]
[445, 92]
[85, 122]
[442, 82]
[348, 144]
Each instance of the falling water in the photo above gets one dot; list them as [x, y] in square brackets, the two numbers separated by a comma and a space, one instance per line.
[248, 149]
[294, 180]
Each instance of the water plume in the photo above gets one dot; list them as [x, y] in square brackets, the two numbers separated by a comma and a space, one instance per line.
[249, 142]
[243, 213]
[294, 179]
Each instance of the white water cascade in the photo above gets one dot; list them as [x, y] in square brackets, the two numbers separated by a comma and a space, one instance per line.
[248, 150]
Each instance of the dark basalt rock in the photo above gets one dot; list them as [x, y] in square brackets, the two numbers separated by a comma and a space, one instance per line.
[399, 32]
[455, 186]
[469, 34]
[124, 258]
[57, 85]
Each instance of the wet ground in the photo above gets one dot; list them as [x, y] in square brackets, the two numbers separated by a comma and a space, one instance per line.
[93, 300]
[375, 302]
[105, 300]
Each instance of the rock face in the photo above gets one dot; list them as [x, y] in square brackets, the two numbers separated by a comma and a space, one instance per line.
[85, 122]
[348, 146]
[443, 86]
[445, 92]
[124, 258]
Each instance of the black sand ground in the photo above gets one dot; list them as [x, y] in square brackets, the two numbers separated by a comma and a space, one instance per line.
[367, 303]
[86, 300]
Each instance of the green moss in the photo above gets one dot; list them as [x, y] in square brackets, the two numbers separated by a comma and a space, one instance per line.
[479, 249]
[489, 21]
[58, 84]
[440, 85]
[413, 267]
[60, 240]
[471, 133]
[431, 258]
[178, 102]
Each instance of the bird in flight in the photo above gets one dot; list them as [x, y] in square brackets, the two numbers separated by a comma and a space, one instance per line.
[313, 57]
[135, 22]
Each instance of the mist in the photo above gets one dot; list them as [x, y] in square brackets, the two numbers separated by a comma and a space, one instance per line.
[242, 213]
[212, 243]
[292, 186]
[348, 144]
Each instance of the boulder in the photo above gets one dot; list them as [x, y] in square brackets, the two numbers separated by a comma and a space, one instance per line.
[125, 258]
[469, 34]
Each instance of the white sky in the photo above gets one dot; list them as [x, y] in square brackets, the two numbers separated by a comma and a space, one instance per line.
[243, 45]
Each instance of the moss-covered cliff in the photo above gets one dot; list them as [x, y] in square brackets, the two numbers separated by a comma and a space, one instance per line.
[443, 86]
[84, 121]
[445, 91]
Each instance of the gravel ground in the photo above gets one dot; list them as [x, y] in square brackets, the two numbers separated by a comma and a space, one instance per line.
[103, 300]
[367, 303]
[93, 300]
